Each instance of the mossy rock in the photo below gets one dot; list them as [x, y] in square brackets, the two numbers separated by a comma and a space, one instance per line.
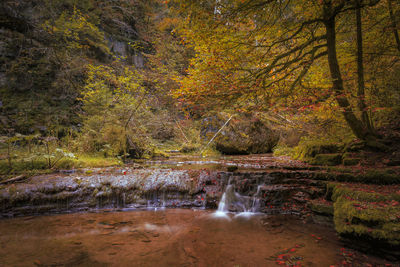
[371, 216]
[246, 134]
[351, 161]
[377, 146]
[377, 223]
[355, 146]
[323, 208]
[189, 148]
[374, 145]
[311, 149]
[379, 177]
[159, 154]
[326, 159]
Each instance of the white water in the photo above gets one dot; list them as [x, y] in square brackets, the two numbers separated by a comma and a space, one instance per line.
[230, 197]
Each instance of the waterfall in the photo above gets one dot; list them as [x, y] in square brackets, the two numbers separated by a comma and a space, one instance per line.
[244, 205]
[222, 206]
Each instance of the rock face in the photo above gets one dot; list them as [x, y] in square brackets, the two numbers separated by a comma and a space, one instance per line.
[141, 188]
[244, 135]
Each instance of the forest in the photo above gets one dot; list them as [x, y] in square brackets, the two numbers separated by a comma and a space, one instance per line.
[108, 81]
[306, 87]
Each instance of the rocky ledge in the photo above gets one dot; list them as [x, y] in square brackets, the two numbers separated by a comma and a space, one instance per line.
[275, 192]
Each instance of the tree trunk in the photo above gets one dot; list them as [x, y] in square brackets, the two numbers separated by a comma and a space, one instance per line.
[337, 81]
[360, 72]
[394, 25]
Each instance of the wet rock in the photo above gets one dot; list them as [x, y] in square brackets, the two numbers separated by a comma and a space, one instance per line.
[300, 197]
[140, 188]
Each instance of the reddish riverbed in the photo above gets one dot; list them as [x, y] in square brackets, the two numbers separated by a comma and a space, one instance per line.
[172, 237]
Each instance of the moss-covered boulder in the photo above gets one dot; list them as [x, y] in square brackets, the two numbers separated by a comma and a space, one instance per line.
[326, 159]
[351, 161]
[321, 207]
[310, 149]
[384, 176]
[368, 216]
[355, 146]
[246, 134]
[370, 145]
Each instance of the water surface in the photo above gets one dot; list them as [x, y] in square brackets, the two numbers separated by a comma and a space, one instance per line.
[169, 237]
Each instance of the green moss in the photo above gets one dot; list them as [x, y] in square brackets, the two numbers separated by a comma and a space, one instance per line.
[40, 164]
[365, 214]
[326, 159]
[321, 207]
[311, 148]
[355, 146]
[351, 161]
[282, 150]
[159, 154]
[381, 177]
[189, 148]
[89, 161]
[19, 166]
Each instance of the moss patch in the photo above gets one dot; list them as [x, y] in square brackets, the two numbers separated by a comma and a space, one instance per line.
[368, 215]
[322, 207]
[380, 177]
[351, 161]
[311, 148]
[326, 159]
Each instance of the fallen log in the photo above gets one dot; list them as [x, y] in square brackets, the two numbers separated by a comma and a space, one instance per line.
[15, 179]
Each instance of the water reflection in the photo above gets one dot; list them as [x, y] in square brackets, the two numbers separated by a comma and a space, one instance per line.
[170, 237]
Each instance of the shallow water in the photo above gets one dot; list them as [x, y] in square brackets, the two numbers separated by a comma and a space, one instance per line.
[169, 237]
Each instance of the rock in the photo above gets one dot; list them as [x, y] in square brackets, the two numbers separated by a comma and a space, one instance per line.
[326, 159]
[310, 149]
[355, 146]
[322, 208]
[231, 168]
[246, 134]
[300, 197]
[351, 161]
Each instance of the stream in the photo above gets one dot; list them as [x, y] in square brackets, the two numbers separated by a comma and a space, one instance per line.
[167, 237]
[178, 212]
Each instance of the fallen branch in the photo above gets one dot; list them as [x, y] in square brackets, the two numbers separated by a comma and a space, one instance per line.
[15, 179]
[215, 135]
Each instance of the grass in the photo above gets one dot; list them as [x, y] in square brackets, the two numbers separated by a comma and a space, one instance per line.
[95, 161]
[39, 164]
[283, 150]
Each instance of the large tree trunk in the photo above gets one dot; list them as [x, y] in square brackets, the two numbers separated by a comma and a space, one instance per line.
[394, 25]
[337, 81]
[360, 72]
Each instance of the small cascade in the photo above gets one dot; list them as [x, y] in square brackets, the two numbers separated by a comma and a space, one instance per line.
[226, 198]
[233, 201]
[256, 200]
